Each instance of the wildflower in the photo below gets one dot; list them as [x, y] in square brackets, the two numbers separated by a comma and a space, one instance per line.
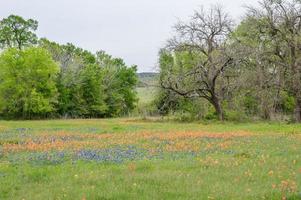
[248, 173]
[288, 186]
[271, 173]
[132, 167]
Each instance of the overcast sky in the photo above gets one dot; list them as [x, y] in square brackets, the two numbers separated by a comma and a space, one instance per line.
[131, 29]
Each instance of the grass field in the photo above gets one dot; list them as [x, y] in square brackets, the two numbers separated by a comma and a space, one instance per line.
[132, 159]
[146, 95]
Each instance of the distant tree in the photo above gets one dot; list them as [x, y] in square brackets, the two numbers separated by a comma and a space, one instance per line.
[17, 32]
[198, 58]
[27, 83]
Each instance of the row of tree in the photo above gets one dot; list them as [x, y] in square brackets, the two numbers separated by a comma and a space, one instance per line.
[253, 68]
[41, 79]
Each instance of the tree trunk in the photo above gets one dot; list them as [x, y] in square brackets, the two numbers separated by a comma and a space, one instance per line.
[298, 111]
[218, 108]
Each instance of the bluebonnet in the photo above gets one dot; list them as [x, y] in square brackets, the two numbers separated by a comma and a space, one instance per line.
[117, 154]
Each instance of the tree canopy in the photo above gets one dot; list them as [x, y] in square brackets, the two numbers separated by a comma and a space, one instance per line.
[40, 78]
[17, 32]
[252, 68]
[28, 87]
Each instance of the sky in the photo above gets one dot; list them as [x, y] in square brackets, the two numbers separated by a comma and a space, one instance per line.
[133, 30]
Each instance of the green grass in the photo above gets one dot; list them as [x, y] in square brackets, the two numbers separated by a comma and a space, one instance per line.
[132, 159]
[146, 95]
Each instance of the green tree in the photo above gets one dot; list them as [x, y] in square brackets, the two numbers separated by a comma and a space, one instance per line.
[93, 91]
[72, 61]
[120, 84]
[260, 83]
[92, 85]
[27, 88]
[270, 38]
[17, 32]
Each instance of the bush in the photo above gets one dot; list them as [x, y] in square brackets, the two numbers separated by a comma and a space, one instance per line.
[287, 102]
[235, 116]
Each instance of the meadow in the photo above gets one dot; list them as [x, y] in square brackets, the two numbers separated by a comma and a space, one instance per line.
[135, 159]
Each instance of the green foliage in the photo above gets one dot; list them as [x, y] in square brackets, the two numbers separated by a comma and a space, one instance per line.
[235, 116]
[17, 32]
[93, 91]
[250, 104]
[211, 116]
[83, 85]
[191, 110]
[120, 85]
[27, 86]
[92, 85]
[288, 102]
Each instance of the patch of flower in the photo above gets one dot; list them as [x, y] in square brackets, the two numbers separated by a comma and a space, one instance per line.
[116, 154]
[57, 146]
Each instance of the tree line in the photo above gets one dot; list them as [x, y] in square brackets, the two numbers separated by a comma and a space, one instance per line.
[43, 79]
[252, 69]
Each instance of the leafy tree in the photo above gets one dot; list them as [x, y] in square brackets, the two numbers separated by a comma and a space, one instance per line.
[271, 36]
[92, 85]
[73, 62]
[27, 78]
[120, 84]
[17, 32]
[93, 91]
[260, 83]
[83, 85]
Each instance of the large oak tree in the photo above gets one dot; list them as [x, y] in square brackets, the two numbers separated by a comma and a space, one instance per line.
[204, 40]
